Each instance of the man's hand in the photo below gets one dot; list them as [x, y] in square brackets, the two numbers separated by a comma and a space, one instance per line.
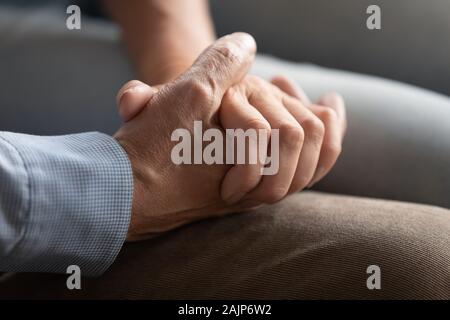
[167, 195]
[311, 137]
[330, 109]
[254, 103]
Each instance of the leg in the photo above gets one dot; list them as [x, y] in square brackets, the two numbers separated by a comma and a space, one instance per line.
[397, 144]
[310, 246]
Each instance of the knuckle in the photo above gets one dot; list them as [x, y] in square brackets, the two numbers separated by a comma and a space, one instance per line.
[292, 134]
[258, 124]
[227, 50]
[198, 91]
[231, 96]
[334, 148]
[196, 96]
[314, 127]
[328, 115]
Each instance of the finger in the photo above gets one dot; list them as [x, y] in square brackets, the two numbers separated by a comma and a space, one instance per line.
[291, 88]
[275, 187]
[222, 64]
[332, 142]
[335, 101]
[132, 99]
[314, 131]
[236, 113]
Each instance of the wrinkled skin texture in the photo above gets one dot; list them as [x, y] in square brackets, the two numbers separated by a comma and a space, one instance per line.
[217, 91]
[166, 195]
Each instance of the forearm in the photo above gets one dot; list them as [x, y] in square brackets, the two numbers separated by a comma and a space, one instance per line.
[163, 37]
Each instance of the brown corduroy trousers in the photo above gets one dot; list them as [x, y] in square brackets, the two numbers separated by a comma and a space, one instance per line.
[309, 246]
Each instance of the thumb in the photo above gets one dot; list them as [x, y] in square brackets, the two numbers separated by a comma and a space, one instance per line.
[132, 99]
[224, 63]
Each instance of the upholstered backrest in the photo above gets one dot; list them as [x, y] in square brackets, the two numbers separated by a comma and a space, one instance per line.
[412, 46]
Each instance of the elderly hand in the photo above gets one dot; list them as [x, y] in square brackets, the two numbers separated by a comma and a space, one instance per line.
[167, 195]
[310, 138]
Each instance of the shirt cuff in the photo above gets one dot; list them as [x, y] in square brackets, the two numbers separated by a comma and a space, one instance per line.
[80, 190]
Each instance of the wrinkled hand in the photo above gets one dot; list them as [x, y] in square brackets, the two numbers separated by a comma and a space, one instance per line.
[310, 136]
[310, 139]
[168, 195]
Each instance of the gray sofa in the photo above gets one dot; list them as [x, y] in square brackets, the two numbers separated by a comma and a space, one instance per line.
[313, 245]
[413, 45]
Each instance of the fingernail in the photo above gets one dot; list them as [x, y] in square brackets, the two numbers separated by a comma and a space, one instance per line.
[235, 197]
[246, 40]
[137, 88]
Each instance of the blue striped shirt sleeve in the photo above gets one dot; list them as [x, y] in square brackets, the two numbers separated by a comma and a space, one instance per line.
[64, 200]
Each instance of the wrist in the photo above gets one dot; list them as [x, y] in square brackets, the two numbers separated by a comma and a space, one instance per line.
[139, 187]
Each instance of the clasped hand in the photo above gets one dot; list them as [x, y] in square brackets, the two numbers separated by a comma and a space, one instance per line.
[218, 91]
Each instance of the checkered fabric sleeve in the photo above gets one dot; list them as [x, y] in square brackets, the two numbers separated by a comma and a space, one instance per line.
[64, 200]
